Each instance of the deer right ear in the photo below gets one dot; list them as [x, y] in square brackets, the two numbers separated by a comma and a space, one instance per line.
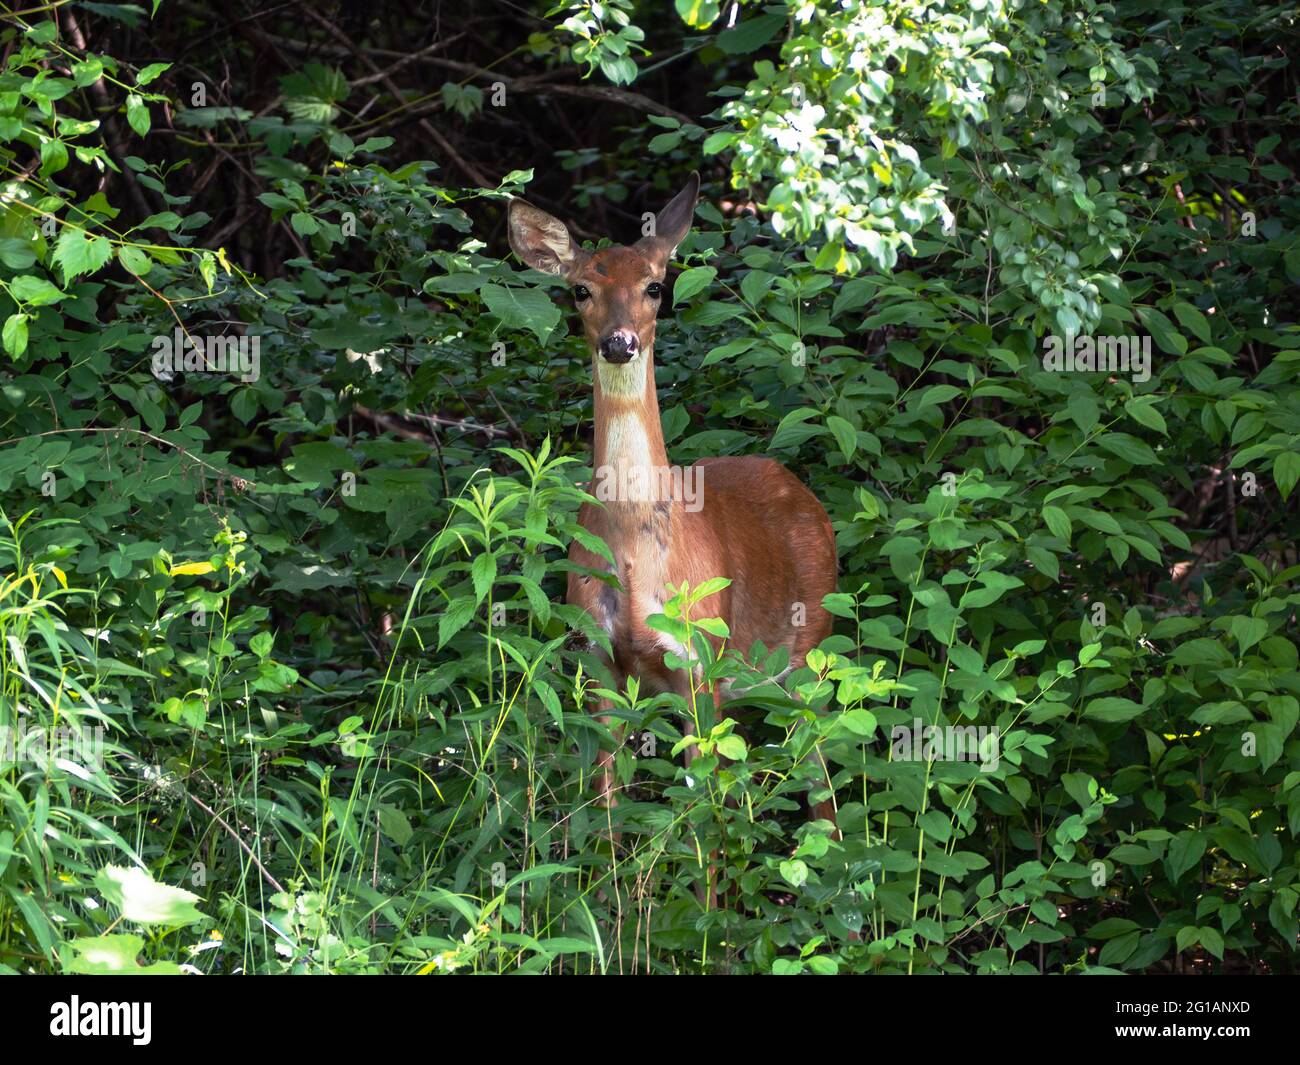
[674, 221]
[541, 240]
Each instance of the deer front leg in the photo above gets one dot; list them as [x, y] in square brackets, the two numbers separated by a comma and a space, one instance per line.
[605, 758]
[606, 790]
[827, 809]
[689, 685]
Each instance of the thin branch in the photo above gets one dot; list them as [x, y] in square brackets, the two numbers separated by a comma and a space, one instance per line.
[237, 482]
[266, 875]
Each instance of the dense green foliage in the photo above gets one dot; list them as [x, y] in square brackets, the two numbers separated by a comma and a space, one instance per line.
[317, 616]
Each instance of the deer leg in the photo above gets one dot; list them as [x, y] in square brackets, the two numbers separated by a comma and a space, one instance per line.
[827, 809]
[687, 685]
[605, 783]
[718, 714]
[605, 758]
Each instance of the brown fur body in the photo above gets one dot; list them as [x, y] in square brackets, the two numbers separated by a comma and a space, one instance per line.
[759, 527]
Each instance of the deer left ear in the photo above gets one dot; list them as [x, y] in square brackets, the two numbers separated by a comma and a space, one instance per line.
[541, 241]
[674, 221]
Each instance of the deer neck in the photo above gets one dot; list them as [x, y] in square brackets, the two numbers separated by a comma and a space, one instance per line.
[631, 476]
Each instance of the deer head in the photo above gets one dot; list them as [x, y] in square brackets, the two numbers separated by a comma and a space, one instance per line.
[617, 289]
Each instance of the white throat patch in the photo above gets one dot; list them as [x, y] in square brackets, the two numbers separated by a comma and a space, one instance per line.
[623, 379]
[627, 445]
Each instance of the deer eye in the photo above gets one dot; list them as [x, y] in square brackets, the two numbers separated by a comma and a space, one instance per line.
[581, 292]
[654, 290]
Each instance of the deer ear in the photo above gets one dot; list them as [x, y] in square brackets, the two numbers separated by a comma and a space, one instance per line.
[674, 221]
[541, 240]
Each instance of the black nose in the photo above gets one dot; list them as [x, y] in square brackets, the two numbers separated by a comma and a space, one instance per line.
[618, 347]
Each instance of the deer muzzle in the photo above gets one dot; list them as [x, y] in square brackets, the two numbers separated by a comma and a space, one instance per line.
[619, 346]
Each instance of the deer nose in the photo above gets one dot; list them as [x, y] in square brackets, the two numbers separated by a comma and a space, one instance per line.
[620, 346]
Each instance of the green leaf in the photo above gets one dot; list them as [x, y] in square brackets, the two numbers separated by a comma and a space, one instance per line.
[149, 411]
[845, 435]
[114, 955]
[168, 220]
[1058, 522]
[839, 603]
[1129, 448]
[1185, 850]
[35, 291]
[936, 394]
[795, 872]
[1286, 471]
[137, 114]
[455, 616]
[751, 34]
[709, 586]
[1162, 331]
[54, 156]
[698, 14]
[1193, 321]
[692, 281]
[1119, 949]
[15, 334]
[42, 32]
[1144, 413]
[859, 721]
[1248, 632]
[794, 428]
[733, 747]
[1113, 709]
[150, 72]
[484, 572]
[395, 824]
[1131, 854]
[16, 253]
[134, 260]
[77, 253]
[1112, 927]
[1099, 520]
[87, 71]
[207, 269]
[142, 900]
[522, 308]
[1082, 408]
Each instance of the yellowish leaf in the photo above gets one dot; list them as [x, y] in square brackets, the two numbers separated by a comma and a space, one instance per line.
[185, 569]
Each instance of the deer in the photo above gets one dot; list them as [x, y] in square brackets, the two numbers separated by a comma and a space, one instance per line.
[751, 521]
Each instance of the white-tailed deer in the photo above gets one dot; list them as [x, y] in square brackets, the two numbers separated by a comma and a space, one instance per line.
[747, 518]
